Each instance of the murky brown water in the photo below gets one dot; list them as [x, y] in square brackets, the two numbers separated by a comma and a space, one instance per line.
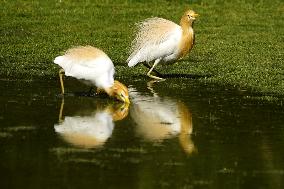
[174, 134]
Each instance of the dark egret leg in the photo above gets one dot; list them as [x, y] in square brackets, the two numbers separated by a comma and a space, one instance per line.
[61, 74]
[100, 91]
[91, 90]
[149, 73]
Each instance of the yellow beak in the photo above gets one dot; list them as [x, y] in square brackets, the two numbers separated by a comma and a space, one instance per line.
[196, 15]
[127, 100]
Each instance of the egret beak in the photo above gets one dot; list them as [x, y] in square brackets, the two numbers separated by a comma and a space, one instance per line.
[126, 100]
[196, 15]
[122, 98]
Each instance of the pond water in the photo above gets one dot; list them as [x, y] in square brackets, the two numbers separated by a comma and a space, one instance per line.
[174, 134]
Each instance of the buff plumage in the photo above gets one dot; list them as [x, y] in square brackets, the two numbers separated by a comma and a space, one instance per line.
[161, 40]
[93, 66]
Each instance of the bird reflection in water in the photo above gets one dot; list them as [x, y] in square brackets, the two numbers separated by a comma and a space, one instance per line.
[90, 128]
[159, 118]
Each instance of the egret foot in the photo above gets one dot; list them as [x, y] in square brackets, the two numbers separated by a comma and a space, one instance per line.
[147, 65]
[154, 77]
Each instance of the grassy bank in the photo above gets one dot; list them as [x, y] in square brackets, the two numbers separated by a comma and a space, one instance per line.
[239, 43]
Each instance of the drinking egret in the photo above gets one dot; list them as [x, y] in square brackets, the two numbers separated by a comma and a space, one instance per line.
[161, 40]
[94, 67]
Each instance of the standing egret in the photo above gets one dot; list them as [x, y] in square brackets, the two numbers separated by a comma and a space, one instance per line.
[161, 40]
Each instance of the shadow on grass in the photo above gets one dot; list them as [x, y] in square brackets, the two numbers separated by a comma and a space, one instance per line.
[190, 76]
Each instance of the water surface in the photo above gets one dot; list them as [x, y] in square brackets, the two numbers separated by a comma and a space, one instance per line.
[174, 134]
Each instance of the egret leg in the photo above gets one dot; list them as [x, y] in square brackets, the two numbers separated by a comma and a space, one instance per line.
[147, 65]
[149, 73]
[91, 90]
[61, 74]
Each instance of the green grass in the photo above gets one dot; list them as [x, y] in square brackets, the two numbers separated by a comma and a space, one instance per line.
[238, 43]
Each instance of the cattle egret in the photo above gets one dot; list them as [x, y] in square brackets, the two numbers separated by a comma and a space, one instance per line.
[94, 67]
[161, 40]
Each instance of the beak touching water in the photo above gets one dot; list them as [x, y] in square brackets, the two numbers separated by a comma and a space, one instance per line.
[121, 92]
[123, 98]
[127, 100]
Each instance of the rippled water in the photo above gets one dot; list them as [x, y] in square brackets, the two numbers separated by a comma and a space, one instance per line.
[174, 134]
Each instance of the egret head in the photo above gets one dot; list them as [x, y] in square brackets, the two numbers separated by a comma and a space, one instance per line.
[120, 92]
[188, 17]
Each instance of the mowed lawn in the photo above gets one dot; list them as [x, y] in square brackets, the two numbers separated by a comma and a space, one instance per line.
[238, 42]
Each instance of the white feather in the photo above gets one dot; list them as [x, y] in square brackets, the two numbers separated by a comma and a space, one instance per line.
[157, 38]
[96, 68]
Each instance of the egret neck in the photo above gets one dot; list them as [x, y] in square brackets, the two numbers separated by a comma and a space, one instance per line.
[187, 38]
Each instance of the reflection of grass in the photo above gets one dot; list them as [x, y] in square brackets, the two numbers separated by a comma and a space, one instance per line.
[128, 150]
[265, 98]
[238, 43]
[271, 172]
[87, 161]
[226, 171]
[90, 156]
[5, 135]
[61, 151]
[8, 131]
[20, 128]
[254, 172]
